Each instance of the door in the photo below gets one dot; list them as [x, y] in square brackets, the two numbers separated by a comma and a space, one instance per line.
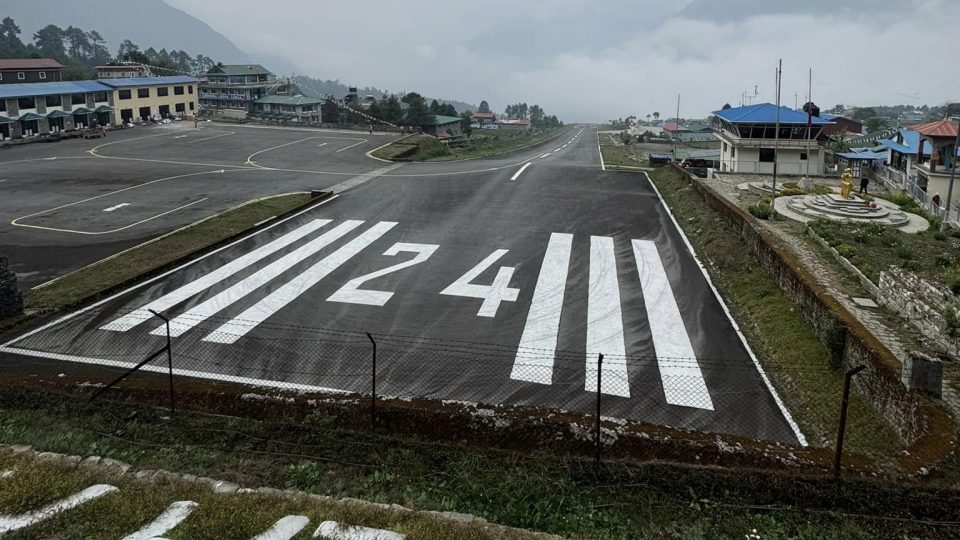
[145, 113]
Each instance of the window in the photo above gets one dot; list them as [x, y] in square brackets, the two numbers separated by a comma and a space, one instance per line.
[124, 94]
[100, 97]
[803, 156]
[724, 147]
[143, 92]
[190, 88]
[733, 152]
[21, 76]
[180, 107]
[126, 114]
[53, 101]
[178, 90]
[767, 155]
[43, 74]
[78, 99]
[163, 91]
[191, 105]
[3, 105]
[26, 103]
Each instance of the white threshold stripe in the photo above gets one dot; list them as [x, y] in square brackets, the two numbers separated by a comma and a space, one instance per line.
[236, 328]
[605, 322]
[236, 292]
[680, 372]
[165, 302]
[284, 529]
[165, 522]
[332, 530]
[352, 145]
[538, 343]
[26, 519]
[518, 173]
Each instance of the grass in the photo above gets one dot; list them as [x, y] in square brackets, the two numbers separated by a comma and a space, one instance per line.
[793, 357]
[619, 155]
[536, 489]
[873, 248]
[144, 258]
[483, 143]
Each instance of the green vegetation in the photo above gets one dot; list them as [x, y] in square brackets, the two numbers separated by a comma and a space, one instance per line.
[616, 154]
[482, 144]
[793, 357]
[535, 489]
[873, 248]
[144, 258]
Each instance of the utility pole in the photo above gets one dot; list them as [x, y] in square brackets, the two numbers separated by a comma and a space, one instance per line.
[677, 133]
[953, 176]
[776, 143]
[810, 118]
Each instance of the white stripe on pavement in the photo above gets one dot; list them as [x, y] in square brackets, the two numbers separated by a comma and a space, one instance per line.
[165, 522]
[331, 530]
[236, 328]
[538, 344]
[26, 519]
[284, 529]
[352, 145]
[605, 322]
[322, 144]
[236, 292]
[517, 175]
[680, 373]
[165, 302]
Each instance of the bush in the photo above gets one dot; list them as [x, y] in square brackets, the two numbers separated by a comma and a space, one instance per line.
[939, 236]
[944, 260]
[792, 191]
[951, 322]
[822, 190]
[903, 252]
[761, 210]
[913, 265]
[846, 251]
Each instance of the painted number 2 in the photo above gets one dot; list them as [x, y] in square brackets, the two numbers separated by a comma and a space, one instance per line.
[351, 293]
[493, 294]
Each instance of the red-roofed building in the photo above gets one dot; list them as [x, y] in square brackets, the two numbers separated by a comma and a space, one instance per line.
[482, 119]
[940, 138]
[523, 124]
[30, 70]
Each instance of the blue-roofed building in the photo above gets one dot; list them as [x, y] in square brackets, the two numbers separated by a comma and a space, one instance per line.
[910, 154]
[749, 142]
[34, 109]
[862, 161]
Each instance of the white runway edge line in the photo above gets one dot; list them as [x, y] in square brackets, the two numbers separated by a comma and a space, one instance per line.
[518, 173]
[169, 300]
[743, 339]
[8, 346]
[538, 344]
[26, 519]
[605, 322]
[603, 166]
[680, 373]
[203, 311]
[284, 529]
[238, 327]
[165, 522]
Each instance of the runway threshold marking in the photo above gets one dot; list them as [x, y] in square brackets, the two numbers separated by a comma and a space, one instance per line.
[680, 373]
[165, 302]
[605, 322]
[203, 311]
[10, 523]
[239, 326]
[518, 173]
[352, 145]
[538, 344]
[174, 515]
[117, 207]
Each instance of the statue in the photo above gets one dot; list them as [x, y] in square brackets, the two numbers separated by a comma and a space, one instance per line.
[846, 183]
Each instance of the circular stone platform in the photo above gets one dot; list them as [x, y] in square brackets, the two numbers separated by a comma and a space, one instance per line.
[805, 208]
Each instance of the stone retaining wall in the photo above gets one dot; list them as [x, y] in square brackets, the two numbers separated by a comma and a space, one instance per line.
[921, 302]
[11, 300]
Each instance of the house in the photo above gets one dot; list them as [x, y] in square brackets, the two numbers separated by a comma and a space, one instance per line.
[482, 120]
[859, 161]
[839, 124]
[143, 98]
[288, 108]
[521, 124]
[30, 70]
[445, 127]
[919, 158]
[123, 71]
[29, 110]
[749, 142]
[234, 88]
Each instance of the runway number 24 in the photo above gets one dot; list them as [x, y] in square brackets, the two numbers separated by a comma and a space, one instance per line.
[492, 295]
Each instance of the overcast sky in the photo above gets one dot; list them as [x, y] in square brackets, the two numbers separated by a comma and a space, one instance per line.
[591, 60]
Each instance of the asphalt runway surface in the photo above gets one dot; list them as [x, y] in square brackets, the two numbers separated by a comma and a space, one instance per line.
[497, 281]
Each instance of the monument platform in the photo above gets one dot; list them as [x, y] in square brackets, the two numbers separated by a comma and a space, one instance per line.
[805, 208]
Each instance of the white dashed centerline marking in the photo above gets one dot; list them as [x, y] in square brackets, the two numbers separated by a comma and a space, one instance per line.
[117, 207]
[517, 175]
[321, 144]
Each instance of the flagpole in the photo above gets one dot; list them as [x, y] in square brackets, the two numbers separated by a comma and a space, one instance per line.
[776, 143]
[810, 117]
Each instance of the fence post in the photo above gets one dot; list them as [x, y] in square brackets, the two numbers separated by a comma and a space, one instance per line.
[596, 436]
[373, 384]
[173, 399]
[843, 417]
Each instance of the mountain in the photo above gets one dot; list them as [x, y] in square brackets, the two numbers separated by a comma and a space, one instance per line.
[148, 23]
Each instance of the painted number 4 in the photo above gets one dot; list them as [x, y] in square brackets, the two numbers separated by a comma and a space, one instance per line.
[491, 295]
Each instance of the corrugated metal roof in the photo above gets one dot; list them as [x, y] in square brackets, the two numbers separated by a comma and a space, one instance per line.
[50, 88]
[289, 100]
[149, 81]
[239, 69]
[440, 119]
[911, 140]
[765, 113]
[940, 128]
[30, 63]
[875, 156]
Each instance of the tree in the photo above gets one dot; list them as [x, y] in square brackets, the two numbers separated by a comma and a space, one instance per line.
[725, 106]
[875, 124]
[484, 107]
[127, 48]
[330, 111]
[656, 116]
[447, 109]
[536, 115]
[78, 43]
[862, 113]
[10, 44]
[49, 42]
[466, 121]
[418, 112]
[98, 47]
[435, 107]
[391, 110]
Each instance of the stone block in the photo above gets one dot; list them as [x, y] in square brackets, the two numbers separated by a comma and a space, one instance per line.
[924, 373]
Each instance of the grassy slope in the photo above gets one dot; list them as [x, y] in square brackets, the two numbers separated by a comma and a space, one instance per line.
[483, 145]
[621, 156]
[790, 353]
[146, 257]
